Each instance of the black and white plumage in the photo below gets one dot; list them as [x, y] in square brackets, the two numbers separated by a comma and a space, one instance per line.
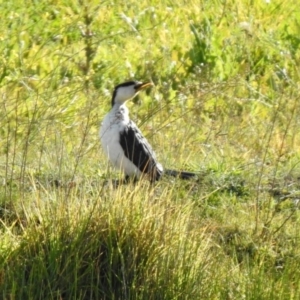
[124, 144]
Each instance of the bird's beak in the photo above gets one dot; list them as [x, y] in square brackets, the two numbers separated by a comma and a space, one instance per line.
[141, 86]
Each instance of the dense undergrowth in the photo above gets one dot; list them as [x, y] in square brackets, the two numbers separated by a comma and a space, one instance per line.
[225, 105]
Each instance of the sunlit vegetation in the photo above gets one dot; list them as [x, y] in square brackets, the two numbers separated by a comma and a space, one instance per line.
[225, 105]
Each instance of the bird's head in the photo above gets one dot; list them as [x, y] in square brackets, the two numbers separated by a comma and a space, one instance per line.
[127, 90]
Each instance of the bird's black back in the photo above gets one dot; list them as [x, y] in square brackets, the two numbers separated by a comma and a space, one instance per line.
[137, 149]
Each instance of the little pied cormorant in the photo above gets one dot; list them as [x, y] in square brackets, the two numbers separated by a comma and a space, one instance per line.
[123, 142]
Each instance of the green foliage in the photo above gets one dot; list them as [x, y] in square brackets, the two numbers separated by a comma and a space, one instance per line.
[225, 104]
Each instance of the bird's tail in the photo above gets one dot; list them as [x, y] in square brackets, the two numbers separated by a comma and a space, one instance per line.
[180, 174]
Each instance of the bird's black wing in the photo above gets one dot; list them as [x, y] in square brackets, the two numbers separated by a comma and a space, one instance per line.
[137, 149]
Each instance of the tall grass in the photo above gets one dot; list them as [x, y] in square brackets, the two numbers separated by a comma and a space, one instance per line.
[225, 105]
[117, 247]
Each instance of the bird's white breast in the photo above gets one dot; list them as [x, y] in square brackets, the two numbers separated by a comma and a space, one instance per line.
[114, 123]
